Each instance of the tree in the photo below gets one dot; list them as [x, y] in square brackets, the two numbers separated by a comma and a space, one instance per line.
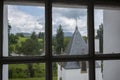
[30, 47]
[41, 35]
[100, 37]
[13, 39]
[33, 36]
[20, 34]
[85, 38]
[59, 40]
[9, 28]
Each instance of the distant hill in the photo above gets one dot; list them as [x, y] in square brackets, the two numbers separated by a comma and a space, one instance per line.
[66, 34]
[25, 34]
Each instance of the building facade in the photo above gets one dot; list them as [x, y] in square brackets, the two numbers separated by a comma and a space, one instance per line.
[77, 70]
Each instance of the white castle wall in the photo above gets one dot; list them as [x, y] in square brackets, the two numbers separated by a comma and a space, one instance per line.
[75, 74]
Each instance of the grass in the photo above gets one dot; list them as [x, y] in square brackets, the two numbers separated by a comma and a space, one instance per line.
[24, 66]
[54, 78]
[28, 79]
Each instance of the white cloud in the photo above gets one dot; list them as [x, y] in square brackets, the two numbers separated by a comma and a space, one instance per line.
[67, 18]
[98, 19]
[22, 22]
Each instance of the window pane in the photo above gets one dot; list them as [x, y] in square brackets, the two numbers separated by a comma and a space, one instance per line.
[107, 28]
[29, 71]
[110, 70]
[24, 28]
[99, 70]
[69, 31]
[70, 70]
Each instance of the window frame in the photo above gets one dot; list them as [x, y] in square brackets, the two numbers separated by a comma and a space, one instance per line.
[48, 58]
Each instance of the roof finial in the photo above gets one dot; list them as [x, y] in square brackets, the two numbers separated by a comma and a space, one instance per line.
[76, 24]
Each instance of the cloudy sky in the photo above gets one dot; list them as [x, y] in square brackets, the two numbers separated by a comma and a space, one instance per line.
[32, 18]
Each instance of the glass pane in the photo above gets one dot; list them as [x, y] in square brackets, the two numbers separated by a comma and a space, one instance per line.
[99, 70]
[24, 28]
[107, 28]
[108, 70]
[29, 71]
[71, 70]
[69, 31]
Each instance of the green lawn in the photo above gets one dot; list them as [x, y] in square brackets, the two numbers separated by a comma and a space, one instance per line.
[54, 78]
[28, 79]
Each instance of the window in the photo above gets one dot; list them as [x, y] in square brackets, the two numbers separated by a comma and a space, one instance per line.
[83, 66]
[48, 59]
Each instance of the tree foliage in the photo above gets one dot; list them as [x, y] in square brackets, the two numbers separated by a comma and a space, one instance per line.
[20, 34]
[41, 35]
[33, 36]
[30, 46]
[85, 38]
[100, 37]
[12, 40]
[59, 40]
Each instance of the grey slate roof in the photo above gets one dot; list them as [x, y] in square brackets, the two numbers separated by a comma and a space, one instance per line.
[76, 46]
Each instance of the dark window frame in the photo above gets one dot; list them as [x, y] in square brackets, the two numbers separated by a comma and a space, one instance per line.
[48, 58]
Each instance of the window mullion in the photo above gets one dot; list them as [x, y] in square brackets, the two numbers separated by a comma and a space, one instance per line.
[1, 37]
[91, 40]
[48, 38]
[1, 29]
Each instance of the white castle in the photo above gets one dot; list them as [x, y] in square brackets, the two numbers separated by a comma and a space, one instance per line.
[77, 70]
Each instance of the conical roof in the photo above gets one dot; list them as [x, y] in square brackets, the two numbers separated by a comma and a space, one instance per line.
[77, 45]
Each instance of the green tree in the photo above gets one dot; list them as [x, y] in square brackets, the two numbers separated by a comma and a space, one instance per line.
[12, 40]
[9, 28]
[66, 41]
[59, 40]
[41, 35]
[19, 34]
[33, 36]
[85, 38]
[41, 41]
[100, 37]
[30, 47]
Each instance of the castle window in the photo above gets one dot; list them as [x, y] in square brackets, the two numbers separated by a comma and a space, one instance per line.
[83, 66]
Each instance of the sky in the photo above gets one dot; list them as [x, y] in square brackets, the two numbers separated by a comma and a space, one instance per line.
[32, 18]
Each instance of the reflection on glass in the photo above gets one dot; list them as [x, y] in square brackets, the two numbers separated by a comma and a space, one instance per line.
[107, 30]
[71, 70]
[109, 70]
[69, 31]
[29, 71]
[99, 70]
